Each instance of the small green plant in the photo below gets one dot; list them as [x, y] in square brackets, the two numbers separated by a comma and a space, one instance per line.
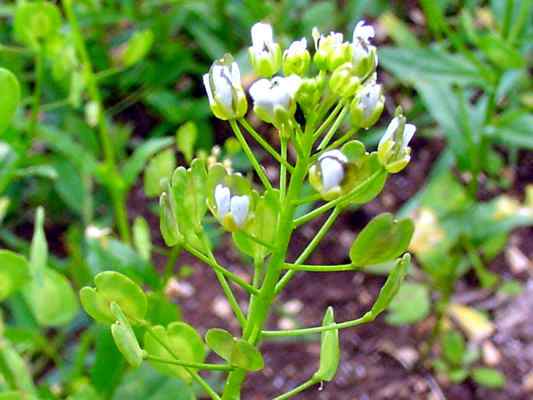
[262, 217]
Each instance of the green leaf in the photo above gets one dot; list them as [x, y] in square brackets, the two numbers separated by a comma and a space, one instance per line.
[161, 311]
[383, 239]
[10, 89]
[184, 342]
[514, 128]
[115, 287]
[141, 238]
[488, 377]
[237, 352]
[35, 21]
[329, 350]
[109, 365]
[186, 139]
[137, 47]
[391, 286]
[61, 305]
[135, 164]
[14, 272]
[124, 337]
[453, 347]
[500, 52]
[14, 370]
[167, 222]
[410, 305]
[158, 172]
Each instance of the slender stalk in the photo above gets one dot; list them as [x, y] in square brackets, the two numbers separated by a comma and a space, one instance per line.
[337, 143]
[257, 167]
[321, 268]
[333, 129]
[204, 366]
[368, 317]
[118, 196]
[283, 169]
[308, 199]
[171, 262]
[309, 249]
[220, 269]
[256, 240]
[338, 201]
[328, 121]
[267, 147]
[306, 385]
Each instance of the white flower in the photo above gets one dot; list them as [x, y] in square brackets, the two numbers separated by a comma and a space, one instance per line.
[368, 98]
[235, 207]
[390, 133]
[272, 94]
[224, 89]
[364, 54]
[332, 169]
[223, 200]
[332, 40]
[363, 32]
[297, 48]
[265, 54]
[262, 39]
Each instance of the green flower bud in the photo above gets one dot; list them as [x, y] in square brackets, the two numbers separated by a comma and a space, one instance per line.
[296, 58]
[393, 151]
[364, 55]
[331, 51]
[309, 93]
[343, 81]
[274, 99]
[367, 106]
[265, 55]
[224, 89]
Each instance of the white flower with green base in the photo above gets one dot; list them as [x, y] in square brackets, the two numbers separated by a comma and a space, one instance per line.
[265, 54]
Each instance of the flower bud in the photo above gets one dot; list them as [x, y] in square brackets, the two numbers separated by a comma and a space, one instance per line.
[224, 89]
[274, 99]
[296, 58]
[364, 55]
[343, 81]
[328, 174]
[331, 51]
[393, 150]
[309, 93]
[232, 211]
[265, 55]
[367, 106]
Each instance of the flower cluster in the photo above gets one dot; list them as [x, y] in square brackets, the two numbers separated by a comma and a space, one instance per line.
[339, 78]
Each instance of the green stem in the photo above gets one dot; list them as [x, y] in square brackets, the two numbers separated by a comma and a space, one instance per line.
[257, 167]
[338, 201]
[268, 148]
[220, 269]
[321, 268]
[308, 199]
[306, 385]
[328, 121]
[368, 317]
[337, 143]
[327, 138]
[118, 196]
[309, 248]
[283, 169]
[204, 366]
[171, 262]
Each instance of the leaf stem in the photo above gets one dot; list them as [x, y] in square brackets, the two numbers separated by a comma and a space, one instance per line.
[204, 366]
[298, 389]
[327, 138]
[327, 121]
[321, 268]
[250, 155]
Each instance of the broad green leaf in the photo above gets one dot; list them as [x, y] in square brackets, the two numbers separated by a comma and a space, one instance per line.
[329, 350]
[358, 175]
[182, 340]
[514, 128]
[142, 238]
[115, 287]
[383, 239]
[237, 352]
[14, 272]
[109, 364]
[488, 377]
[411, 304]
[391, 286]
[453, 347]
[161, 311]
[186, 139]
[61, 305]
[10, 89]
[35, 21]
[158, 172]
[137, 47]
[125, 338]
[146, 384]
[135, 164]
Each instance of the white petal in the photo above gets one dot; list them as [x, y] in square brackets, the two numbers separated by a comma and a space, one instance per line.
[292, 84]
[222, 199]
[408, 133]
[297, 47]
[363, 32]
[334, 154]
[207, 85]
[223, 85]
[239, 209]
[332, 173]
[389, 133]
[261, 36]
[260, 89]
[235, 74]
